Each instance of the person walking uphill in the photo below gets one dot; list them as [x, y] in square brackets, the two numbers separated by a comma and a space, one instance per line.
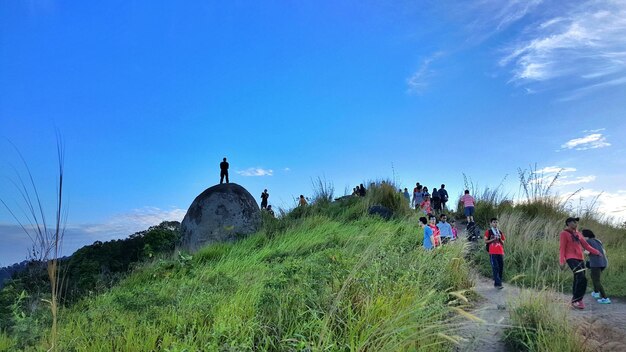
[468, 205]
[494, 240]
[571, 244]
[597, 264]
[223, 171]
[264, 197]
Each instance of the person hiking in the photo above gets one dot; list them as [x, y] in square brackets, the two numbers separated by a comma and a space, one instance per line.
[571, 244]
[223, 171]
[443, 195]
[445, 229]
[432, 223]
[264, 197]
[597, 264]
[270, 211]
[406, 195]
[436, 201]
[425, 205]
[494, 240]
[468, 205]
[362, 190]
[418, 196]
[429, 239]
[302, 202]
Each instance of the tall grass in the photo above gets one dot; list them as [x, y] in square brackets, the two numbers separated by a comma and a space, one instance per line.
[46, 237]
[323, 284]
[540, 323]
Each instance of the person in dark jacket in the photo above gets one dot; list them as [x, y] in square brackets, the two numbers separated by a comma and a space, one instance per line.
[443, 195]
[597, 264]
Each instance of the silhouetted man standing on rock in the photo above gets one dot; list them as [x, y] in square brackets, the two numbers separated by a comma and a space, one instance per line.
[264, 197]
[223, 171]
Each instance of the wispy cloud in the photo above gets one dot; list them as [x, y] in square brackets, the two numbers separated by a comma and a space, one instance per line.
[420, 79]
[554, 170]
[16, 244]
[612, 204]
[568, 181]
[590, 141]
[584, 43]
[286, 169]
[256, 171]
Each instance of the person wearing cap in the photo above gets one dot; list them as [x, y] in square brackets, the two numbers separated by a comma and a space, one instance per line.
[571, 244]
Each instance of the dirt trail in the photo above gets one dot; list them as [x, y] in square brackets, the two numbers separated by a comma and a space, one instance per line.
[602, 325]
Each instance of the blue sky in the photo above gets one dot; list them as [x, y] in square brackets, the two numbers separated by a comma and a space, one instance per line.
[149, 97]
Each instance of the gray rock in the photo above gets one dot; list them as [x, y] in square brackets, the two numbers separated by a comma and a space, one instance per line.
[381, 211]
[221, 213]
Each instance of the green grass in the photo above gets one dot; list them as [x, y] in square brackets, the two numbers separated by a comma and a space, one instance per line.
[540, 323]
[321, 285]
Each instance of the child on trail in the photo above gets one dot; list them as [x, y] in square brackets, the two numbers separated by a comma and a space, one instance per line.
[454, 231]
[425, 205]
[468, 204]
[429, 240]
[597, 264]
[445, 229]
[432, 223]
[494, 239]
[571, 245]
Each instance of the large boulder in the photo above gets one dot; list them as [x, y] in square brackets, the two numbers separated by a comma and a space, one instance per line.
[221, 213]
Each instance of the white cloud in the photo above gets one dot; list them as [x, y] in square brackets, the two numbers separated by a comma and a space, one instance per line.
[585, 42]
[133, 221]
[256, 171]
[554, 170]
[590, 141]
[612, 204]
[418, 82]
[286, 169]
[567, 181]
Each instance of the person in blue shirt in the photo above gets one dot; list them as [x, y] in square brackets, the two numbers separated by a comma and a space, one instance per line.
[429, 239]
[445, 229]
[407, 195]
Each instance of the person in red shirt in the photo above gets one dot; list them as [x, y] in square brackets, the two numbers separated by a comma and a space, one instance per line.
[494, 239]
[571, 252]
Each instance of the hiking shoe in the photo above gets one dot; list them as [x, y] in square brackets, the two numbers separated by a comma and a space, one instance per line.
[578, 305]
[500, 287]
[595, 294]
[604, 301]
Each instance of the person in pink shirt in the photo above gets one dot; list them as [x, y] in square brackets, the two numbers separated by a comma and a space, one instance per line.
[425, 205]
[468, 204]
[571, 244]
[432, 223]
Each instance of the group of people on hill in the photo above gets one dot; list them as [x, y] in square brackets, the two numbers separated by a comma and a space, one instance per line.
[437, 233]
[359, 191]
[425, 201]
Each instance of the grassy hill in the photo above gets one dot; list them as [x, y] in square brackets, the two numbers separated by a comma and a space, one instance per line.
[326, 277]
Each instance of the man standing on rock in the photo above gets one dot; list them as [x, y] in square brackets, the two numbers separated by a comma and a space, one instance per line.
[223, 171]
[264, 197]
[494, 239]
